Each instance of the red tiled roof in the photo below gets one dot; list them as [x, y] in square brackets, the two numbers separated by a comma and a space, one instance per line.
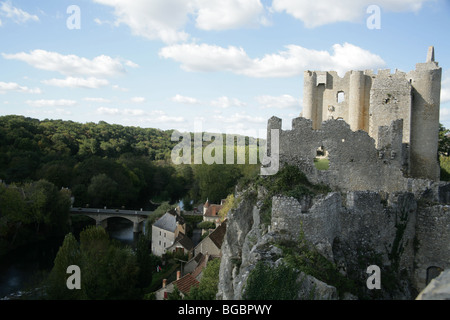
[213, 210]
[201, 264]
[218, 234]
[185, 283]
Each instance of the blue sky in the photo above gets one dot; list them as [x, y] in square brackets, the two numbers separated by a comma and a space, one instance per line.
[224, 65]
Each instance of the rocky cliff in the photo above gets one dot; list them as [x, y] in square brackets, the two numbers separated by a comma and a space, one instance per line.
[328, 239]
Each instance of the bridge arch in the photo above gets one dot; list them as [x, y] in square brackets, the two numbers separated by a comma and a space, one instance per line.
[101, 216]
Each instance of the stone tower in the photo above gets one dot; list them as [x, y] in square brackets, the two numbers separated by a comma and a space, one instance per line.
[426, 83]
[368, 101]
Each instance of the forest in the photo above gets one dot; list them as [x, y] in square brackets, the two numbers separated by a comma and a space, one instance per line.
[48, 165]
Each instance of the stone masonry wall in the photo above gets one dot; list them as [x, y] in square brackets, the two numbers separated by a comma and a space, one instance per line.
[355, 163]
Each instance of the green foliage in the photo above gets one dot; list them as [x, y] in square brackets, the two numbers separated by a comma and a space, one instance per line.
[175, 294]
[206, 225]
[108, 271]
[27, 211]
[444, 141]
[288, 181]
[132, 164]
[215, 181]
[304, 257]
[68, 254]
[146, 262]
[322, 164]
[445, 167]
[230, 203]
[208, 286]
[272, 283]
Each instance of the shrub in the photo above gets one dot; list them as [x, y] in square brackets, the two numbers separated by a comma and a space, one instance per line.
[272, 283]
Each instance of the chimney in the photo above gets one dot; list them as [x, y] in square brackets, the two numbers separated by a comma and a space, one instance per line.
[430, 54]
[164, 283]
[178, 275]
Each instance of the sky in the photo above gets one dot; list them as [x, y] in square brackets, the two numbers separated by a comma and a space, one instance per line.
[213, 65]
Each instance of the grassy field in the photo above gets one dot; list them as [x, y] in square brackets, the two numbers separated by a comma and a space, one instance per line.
[322, 164]
[445, 168]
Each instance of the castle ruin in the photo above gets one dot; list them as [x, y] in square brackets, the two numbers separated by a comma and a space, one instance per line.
[387, 139]
[368, 101]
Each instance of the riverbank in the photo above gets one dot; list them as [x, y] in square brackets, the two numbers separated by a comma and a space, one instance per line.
[23, 269]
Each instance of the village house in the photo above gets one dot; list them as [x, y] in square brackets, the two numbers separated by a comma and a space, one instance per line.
[190, 275]
[184, 283]
[211, 211]
[182, 244]
[212, 244]
[166, 231]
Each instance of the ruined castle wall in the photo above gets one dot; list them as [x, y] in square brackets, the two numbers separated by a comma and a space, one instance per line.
[355, 163]
[355, 229]
[329, 96]
[433, 241]
[373, 100]
[390, 99]
[426, 82]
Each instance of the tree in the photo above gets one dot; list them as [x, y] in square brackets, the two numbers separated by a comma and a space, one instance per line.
[444, 141]
[145, 261]
[175, 294]
[68, 254]
[208, 286]
[47, 205]
[206, 225]
[108, 271]
[216, 181]
[229, 204]
[271, 283]
[103, 191]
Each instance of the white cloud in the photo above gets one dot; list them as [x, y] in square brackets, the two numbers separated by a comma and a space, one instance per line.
[116, 87]
[98, 100]
[185, 100]
[445, 87]
[166, 19]
[281, 102]
[225, 102]
[71, 65]
[17, 15]
[204, 57]
[134, 112]
[12, 86]
[51, 103]
[291, 62]
[239, 117]
[131, 64]
[74, 82]
[57, 112]
[165, 119]
[318, 13]
[155, 116]
[108, 111]
[137, 99]
[232, 14]
[157, 19]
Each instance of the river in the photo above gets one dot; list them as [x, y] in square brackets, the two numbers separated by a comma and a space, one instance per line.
[22, 269]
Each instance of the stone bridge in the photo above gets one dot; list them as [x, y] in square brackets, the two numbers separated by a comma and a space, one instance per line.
[101, 216]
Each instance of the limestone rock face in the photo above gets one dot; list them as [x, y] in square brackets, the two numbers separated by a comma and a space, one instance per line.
[354, 229]
[437, 289]
[313, 289]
